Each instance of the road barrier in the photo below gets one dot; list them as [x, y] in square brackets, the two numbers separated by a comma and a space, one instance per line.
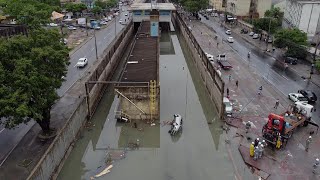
[103, 69]
[209, 74]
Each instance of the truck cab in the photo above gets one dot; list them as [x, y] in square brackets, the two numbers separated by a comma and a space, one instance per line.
[304, 108]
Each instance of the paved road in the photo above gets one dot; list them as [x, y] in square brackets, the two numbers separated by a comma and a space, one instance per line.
[285, 81]
[10, 138]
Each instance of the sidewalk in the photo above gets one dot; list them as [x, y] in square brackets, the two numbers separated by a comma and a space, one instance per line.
[290, 163]
[302, 68]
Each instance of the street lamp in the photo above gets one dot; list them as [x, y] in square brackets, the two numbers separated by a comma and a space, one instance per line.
[95, 41]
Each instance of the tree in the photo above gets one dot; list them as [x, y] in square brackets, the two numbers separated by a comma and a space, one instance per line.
[265, 23]
[111, 3]
[96, 10]
[294, 40]
[195, 5]
[100, 3]
[318, 64]
[75, 8]
[31, 68]
[30, 12]
[274, 13]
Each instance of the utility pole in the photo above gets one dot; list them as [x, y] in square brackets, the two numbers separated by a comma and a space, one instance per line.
[267, 39]
[95, 42]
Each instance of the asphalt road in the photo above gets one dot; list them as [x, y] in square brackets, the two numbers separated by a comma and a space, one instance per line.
[10, 138]
[285, 81]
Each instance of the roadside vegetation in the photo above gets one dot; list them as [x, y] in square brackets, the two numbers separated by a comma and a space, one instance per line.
[31, 67]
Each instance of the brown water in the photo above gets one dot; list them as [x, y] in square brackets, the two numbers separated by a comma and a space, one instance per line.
[197, 153]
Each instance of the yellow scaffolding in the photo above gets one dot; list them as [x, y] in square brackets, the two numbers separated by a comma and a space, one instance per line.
[153, 97]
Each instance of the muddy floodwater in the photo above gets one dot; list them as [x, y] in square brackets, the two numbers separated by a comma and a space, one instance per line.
[199, 152]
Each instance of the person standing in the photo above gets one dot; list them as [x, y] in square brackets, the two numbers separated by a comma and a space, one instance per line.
[255, 157]
[256, 142]
[260, 90]
[227, 92]
[308, 142]
[315, 166]
[229, 77]
[252, 149]
[277, 104]
[237, 83]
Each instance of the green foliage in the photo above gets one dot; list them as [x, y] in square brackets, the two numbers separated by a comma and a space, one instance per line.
[31, 68]
[195, 5]
[294, 40]
[274, 13]
[74, 8]
[112, 3]
[100, 3]
[318, 65]
[30, 12]
[96, 10]
[263, 24]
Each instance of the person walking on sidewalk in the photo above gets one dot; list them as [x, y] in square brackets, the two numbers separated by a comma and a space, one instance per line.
[237, 83]
[228, 92]
[308, 142]
[277, 104]
[260, 90]
[315, 165]
[229, 77]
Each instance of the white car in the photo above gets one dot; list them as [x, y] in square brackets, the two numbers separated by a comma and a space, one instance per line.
[255, 36]
[72, 28]
[53, 24]
[230, 39]
[97, 27]
[251, 33]
[228, 32]
[297, 97]
[103, 23]
[120, 21]
[209, 56]
[82, 62]
[228, 105]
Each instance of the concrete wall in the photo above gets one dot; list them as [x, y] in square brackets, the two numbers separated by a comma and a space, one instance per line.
[209, 75]
[58, 149]
[309, 18]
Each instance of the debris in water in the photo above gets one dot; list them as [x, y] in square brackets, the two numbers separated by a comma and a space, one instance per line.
[105, 171]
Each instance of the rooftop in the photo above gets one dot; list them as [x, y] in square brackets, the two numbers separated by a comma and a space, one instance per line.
[142, 65]
[147, 6]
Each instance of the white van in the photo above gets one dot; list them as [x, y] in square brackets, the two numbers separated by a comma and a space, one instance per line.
[228, 105]
[176, 124]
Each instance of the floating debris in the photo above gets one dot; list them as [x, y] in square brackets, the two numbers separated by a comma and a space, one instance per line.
[105, 171]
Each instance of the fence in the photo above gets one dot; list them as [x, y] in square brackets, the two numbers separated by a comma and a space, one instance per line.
[209, 75]
[57, 151]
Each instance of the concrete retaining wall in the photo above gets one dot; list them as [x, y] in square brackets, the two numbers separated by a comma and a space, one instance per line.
[209, 75]
[102, 69]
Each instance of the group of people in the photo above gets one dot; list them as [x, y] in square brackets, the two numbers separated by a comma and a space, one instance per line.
[257, 148]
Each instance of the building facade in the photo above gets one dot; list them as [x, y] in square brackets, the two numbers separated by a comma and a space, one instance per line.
[243, 8]
[304, 15]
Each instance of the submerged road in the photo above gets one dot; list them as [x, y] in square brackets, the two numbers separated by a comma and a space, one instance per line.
[285, 81]
[199, 152]
[9, 138]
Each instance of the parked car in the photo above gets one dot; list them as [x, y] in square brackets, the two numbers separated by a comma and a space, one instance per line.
[72, 28]
[125, 14]
[97, 27]
[244, 31]
[82, 62]
[291, 60]
[53, 25]
[103, 23]
[251, 33]
[297, 97]
[228, 105]
[255, 36]
[230, 39]
[120, 21]
[228, 32]
[209, 56]
[309, 94]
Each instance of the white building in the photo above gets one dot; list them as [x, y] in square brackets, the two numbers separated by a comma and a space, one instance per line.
[243, 8]
[303, 14]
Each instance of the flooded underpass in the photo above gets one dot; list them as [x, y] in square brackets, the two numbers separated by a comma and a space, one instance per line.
[199, 152]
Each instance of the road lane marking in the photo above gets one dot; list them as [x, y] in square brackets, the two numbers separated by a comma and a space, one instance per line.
[2, 130]
[92, 49]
